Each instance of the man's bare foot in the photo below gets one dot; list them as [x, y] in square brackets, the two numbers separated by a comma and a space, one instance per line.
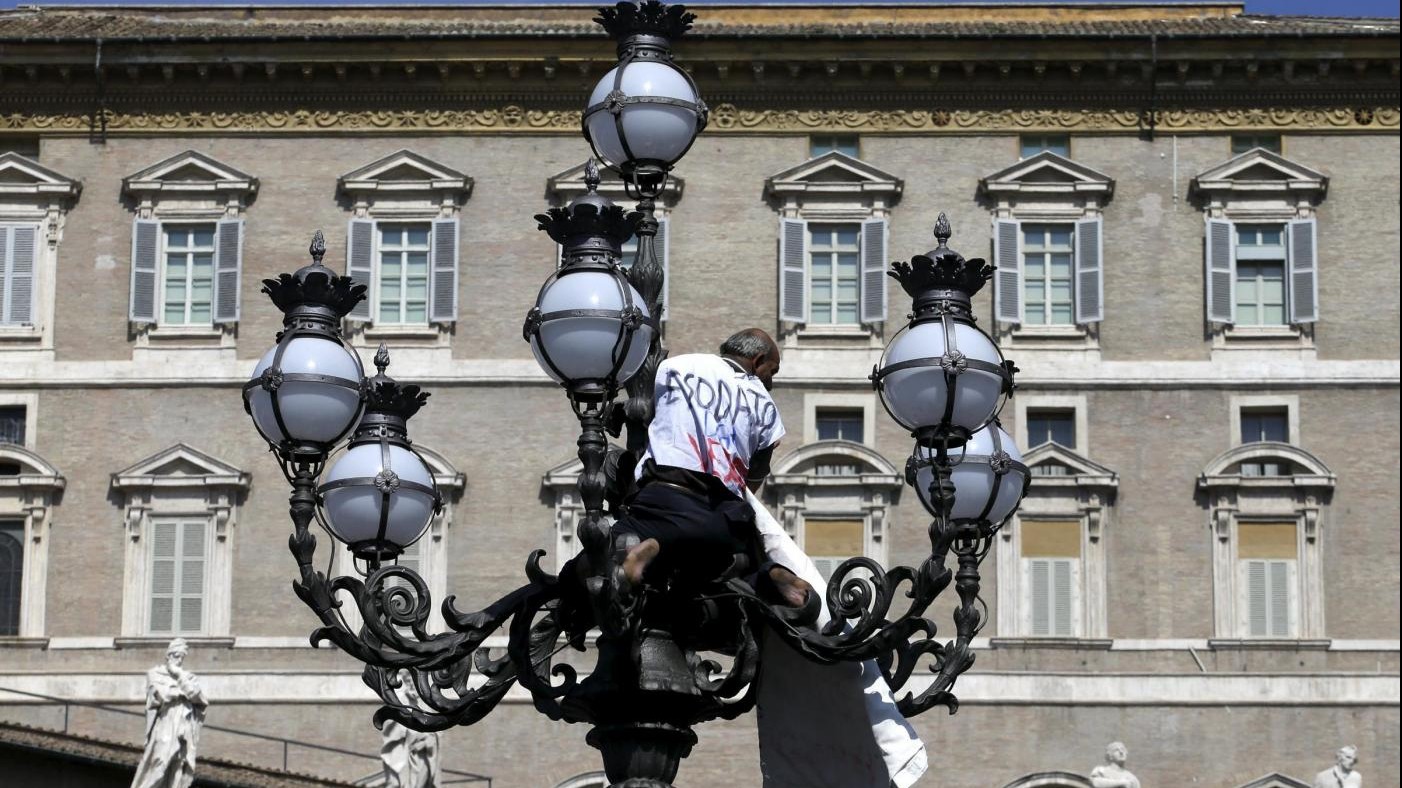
[790, 586]
[639, 556]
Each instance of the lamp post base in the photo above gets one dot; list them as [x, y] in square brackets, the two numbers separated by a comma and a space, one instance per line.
[642, 754]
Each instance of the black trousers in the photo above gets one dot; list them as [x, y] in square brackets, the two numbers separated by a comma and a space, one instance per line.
[698, 535]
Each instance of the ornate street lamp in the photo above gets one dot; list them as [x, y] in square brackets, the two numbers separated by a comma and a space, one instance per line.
[593, 329]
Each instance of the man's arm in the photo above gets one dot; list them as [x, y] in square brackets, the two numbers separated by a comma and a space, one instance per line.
[759, 467]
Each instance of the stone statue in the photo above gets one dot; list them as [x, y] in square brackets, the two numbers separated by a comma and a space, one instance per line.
[1341, 774]
[410, 757]
[1112, 773]
[175, 707]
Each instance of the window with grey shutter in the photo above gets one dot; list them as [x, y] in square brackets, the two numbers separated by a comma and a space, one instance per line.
[1039, 578]
[1220, 272]
[1007, 290]
[177, 577]
[1268, 600]
[145, 245]
[1051, 596]
[1090, 271]
[360, 256]
[793, 270]
[18, 253]
[874, 271]
[443, 275]
[1304, 274]
[228, 262]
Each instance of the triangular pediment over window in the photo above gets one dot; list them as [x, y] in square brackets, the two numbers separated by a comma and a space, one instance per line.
[568, 184]
[1048, 173]
[834, 172]
[1054, 465]
[24, 176]
[1260, 170]
[566, 474]
[1275, 780]
[180, 466]
[190, 171]
[405, 171]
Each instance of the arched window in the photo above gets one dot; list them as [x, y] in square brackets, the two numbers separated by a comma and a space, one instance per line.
[834, 498]
[589, 780]
[1050, 780]
[1268, 574]
[29, 488]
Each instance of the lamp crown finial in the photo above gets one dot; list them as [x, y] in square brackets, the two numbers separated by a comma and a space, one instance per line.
[942, 229]
[317, 249]
[382, 358]
[591, 176]
[645, 17]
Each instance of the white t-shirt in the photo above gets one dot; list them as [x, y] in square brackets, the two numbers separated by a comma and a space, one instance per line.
[711, 417]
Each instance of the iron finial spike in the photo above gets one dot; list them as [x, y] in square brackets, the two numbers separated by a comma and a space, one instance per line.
[591, 176]
[318, 247]
[942, 229]
[382, 358]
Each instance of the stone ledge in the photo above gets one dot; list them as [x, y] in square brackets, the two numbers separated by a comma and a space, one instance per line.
[1267, 645]
[1076, 644]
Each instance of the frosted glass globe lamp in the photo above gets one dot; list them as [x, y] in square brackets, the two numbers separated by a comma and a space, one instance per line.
[305, 393]
[590, 330]
[645, 113]
[941, 377]
[987, 476]
[379, 496]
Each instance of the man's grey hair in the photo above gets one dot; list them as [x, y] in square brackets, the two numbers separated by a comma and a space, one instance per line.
[752, 343]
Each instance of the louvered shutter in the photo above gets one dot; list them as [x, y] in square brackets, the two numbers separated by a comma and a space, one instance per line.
[360, 256]
[1039, 595]
[1303, 253]
[874, 270]
[793, 270]
[145, 245]
[662, 245]
[1090, 271]
[1221, 271]
[1278, 598]
[826, 566]
[164, 539]
[228, 262]
[1007, 289]
[7, 234]
[18, 253]
[192, 590]
[1257, 621]
[443, 272]
[1063, 598]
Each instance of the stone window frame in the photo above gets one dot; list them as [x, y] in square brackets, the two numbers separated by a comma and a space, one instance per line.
[1086, 495]
[1222, 193]
[1290, 402]
[797, 494]
[213, 494]
[864, 194]
[1023, 403]
[1074, 194]
[815, 401]
[375, 192]
[1231, 498]
[43, 202]
[31, 497]
[224, 195]
[433, 545]
[561, 488]
[564, 186]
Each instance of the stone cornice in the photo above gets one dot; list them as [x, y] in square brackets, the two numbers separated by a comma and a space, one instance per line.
[725, 119]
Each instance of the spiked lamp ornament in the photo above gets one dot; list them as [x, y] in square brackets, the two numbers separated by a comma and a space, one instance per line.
[645, 113]
[379, 496]
[305, 393]
[589, 329]
[987, 473]
[941, 377]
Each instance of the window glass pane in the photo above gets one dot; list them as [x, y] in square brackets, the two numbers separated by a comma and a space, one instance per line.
[1265, 424]
[833, 538]
[11, 575]
[1051, 426]
[834, 265]
[1242, 143]
[838, 424]
[822, 143]
[1032, 144]
[12, 419]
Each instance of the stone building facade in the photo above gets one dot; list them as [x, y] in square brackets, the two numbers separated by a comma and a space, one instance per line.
[1195, 216]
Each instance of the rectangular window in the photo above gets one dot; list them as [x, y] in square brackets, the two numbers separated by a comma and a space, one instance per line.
[1260, 275]
[1047, 274]
[1265, 424]
[1033, 144]
[834, 274]
[12, 424]
[1268, 556]
[1051, 426]
[11, 575]
[177, 571]
[1051, 558]
[840, 424]
[188, 282]
[403, 279]
[830, 542]
[842, 143]
[1242, 143]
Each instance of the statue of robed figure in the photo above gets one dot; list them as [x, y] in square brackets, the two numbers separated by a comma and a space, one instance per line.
[175, 706]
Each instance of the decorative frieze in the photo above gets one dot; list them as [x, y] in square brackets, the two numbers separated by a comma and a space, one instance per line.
[725, 119]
